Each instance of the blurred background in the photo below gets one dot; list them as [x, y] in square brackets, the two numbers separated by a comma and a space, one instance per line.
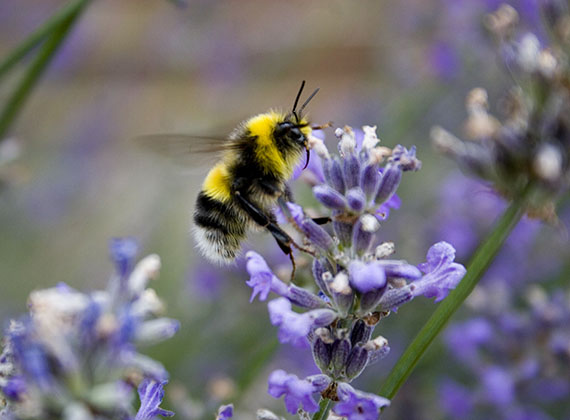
[143, 67]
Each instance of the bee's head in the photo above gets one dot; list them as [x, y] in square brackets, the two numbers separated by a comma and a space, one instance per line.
[295, 129]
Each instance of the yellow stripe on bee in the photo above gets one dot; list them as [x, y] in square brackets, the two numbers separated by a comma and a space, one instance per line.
[217, 183]
[268, 155]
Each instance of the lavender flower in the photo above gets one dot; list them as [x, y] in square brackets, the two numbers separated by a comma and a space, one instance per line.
[441, 273]
[225, 412]
[518, 355]
[298, 392]
[76, 353]
[530, 145]
[358, 405]
[357, 283]
[151, 394]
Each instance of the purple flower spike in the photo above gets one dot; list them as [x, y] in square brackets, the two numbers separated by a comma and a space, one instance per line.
[367, 277]
[297, 391]
[262, 279]
[225, 412]
[358, 405]
[329, 197]
[151, 394]
[294, 327]
[441, 273]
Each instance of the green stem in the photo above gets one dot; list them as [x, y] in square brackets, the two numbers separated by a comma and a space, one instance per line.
[17, 99]
[39, 35]
[325, 406]
[475, 270]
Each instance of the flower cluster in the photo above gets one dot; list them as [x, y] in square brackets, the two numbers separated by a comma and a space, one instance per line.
[519, 356]
[356, 281]
[530, 144]
[74, 356]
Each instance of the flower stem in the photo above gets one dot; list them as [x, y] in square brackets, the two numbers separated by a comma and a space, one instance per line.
[37, 66]
[39, 35]
[475, 270]
[324, 407]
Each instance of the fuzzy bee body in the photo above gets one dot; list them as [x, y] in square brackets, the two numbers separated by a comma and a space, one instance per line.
[241, 190]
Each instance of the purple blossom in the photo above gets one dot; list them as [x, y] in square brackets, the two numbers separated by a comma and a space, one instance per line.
[498, 386]
[466, 338]
[294, 327]
[456, 400]
[366, 277]
[151, 394]
[225, 412]
[441, 273]
[262, 279]
[358, 405]
[298, 392]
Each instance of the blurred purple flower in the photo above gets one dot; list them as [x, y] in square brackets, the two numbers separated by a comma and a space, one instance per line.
[456, 400]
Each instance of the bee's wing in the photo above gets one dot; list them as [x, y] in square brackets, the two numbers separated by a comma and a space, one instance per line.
[186, 150]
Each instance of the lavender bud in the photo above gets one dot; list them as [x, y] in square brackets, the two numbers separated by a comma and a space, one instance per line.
[351, 171]
[322, 354]
[389, 183]
[356, 199]
[364, 233]
[384, 250]
[370, 300]
[395, 297]
[318, 271]
[317, 235]
[333, 175]
[329, 197]
[343, 232]
[361, 332]
[156, 330]
[304, 298]
[323, 317]
[340, 351]
[370, 179]
[320, 382]
[342, 293]
[356, 362]
[377, 349]
[548, 163]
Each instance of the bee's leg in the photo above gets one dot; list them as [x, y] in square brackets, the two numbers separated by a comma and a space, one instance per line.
[283, 239]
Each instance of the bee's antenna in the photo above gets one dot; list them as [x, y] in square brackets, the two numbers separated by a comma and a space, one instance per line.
[294, 112]
[307, 101]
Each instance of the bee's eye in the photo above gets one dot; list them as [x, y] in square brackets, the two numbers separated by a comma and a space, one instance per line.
[296, 135]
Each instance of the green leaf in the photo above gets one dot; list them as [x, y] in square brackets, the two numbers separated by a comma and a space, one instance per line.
[36, 68]
[40, 34]
[475, 270]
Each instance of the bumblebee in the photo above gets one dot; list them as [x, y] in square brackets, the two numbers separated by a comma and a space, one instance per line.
[249, 180]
